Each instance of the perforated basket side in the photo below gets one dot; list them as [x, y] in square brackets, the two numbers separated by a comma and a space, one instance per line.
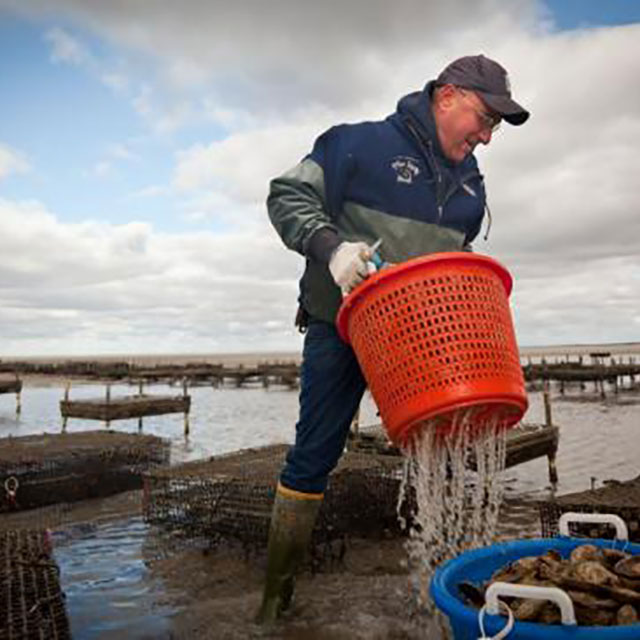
[430, 340]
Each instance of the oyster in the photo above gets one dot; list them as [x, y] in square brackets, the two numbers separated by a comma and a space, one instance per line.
[551, 569]
[585, 599]
[506, 574]
[629, 568]
[594, 573]
[585, 552]
[612, 556]
[627, 614]
[550, 614]
[526, 564]
[527, 609]
[603, 584]
[517, 570]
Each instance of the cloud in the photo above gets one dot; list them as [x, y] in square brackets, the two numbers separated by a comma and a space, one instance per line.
[263, 80]
[66, 48]
[563, 188]
[121, 151]
[269, 57]
[151, 191]
[589, 303]
[12, 161]
[92, 287]
[117, 82]
[243, 163]
[102, 169]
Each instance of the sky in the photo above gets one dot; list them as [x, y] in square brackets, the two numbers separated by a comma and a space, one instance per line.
[137, 141]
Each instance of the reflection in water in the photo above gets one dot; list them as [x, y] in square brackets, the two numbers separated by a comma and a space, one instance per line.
[106, 582]
[109, 590]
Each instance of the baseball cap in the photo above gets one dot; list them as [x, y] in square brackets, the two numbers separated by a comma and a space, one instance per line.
[490, 81]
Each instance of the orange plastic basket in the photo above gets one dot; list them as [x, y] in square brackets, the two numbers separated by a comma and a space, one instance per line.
[434, 335]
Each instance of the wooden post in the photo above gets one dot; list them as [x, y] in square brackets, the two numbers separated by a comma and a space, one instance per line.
[547, 405]
[108, 399]
[18, 398]
[67, 389]
[186, 413]
[553, 470]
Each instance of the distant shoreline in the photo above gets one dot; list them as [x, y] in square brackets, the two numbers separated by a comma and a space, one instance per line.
[227, 359]
[614, 348]
[252, 359]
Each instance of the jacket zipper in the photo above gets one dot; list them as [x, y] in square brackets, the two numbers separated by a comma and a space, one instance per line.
[427, 149]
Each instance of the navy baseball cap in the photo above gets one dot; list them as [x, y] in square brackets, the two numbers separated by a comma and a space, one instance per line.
[490, 81]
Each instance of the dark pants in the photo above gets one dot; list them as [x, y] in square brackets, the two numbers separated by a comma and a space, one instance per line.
[331, 388]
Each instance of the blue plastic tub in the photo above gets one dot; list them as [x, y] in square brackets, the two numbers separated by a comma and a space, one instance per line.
[478, 565]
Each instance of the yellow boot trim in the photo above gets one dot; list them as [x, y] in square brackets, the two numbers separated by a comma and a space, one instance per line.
[298, 495]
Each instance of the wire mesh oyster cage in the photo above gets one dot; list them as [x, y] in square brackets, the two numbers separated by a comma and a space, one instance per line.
[32, 603]
[618, 498]
[45, 469]
[229, 497]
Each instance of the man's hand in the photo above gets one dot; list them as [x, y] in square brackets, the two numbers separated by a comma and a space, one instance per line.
[350, 265]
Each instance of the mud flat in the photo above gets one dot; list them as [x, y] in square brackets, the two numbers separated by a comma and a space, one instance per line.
[366, 597]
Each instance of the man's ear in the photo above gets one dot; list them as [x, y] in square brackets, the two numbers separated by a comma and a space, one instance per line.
[446, 96]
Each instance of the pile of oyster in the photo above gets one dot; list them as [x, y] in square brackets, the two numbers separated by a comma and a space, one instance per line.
[604, 585]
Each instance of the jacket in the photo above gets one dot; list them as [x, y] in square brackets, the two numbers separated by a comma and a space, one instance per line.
[371, 180]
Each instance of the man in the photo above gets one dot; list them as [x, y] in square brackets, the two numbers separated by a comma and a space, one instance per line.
[411, 181]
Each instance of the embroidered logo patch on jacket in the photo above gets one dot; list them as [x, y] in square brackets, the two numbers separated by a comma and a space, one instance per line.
[406, 169]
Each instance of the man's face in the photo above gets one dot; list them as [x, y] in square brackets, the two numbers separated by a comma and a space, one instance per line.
[462, 121]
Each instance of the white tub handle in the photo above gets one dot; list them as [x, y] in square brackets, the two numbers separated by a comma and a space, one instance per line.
[504, 632]
[554, 594]
[595, 518]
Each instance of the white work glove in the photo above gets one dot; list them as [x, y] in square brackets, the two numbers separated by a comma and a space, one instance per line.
[350, 265]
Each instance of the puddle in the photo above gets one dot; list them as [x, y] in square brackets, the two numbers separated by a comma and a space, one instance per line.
[108, 587]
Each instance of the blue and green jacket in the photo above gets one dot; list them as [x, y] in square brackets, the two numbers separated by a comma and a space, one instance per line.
[371, 180]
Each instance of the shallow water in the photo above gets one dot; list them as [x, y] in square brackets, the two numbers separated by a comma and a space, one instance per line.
[107, 583]
[221, 420]
[104, 565]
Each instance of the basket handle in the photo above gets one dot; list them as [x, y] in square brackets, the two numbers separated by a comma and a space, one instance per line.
[560, 597]
[622, 532]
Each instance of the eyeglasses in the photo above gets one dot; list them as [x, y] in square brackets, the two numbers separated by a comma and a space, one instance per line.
[488, 122]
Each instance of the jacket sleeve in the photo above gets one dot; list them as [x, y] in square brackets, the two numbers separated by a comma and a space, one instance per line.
[304, 202]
